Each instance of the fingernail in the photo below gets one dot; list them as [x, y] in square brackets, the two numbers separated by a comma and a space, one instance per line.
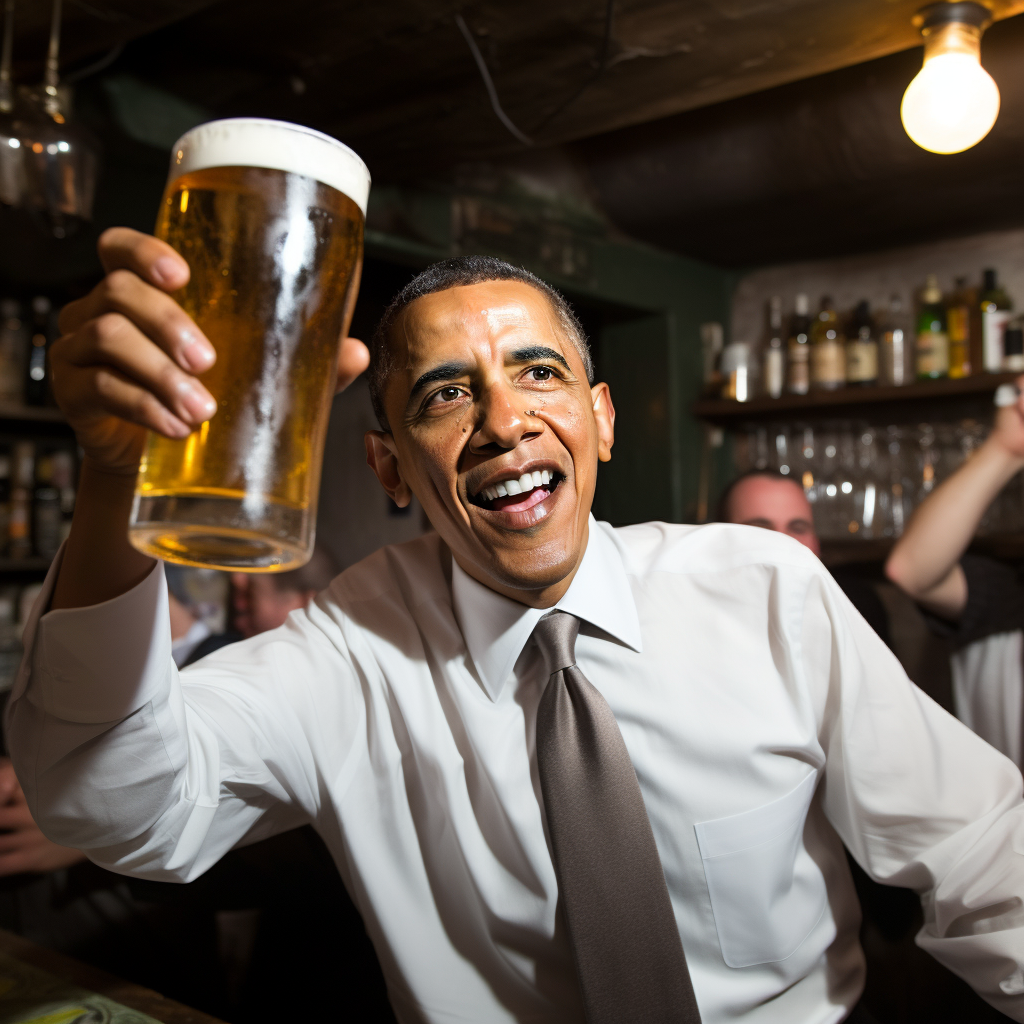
[201, 407]
[198, 354]
[168, 271]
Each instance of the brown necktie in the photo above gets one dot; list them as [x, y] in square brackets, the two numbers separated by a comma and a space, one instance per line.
[631, 965]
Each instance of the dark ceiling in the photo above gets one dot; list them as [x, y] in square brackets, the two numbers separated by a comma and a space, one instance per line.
[737, 131]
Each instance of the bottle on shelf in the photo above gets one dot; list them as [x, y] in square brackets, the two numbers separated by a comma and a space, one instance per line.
[828, 356]
[10, 639]
[932, 345]
[1013, 348]
[63, 462]
[37, 384]
[5, 501]
[47, 519]
[995, 313]
[13, 345]
[895, 350]
[862, 349]
[959, 307]
[774, 353]
[739, 372]
[798, 349]
[22, 482]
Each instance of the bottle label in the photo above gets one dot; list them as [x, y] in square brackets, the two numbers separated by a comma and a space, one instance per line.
[828, 364]
[861, 361]
[798, 375]
[773, 372]
[932, 354]
[993, 324]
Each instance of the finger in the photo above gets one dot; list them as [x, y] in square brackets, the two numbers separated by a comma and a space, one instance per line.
[155, 314]
[9, 788]
[153, 260]
[21, 839]
[103, 390]
[15, 863]
[114, 341]
[353, 359]
[17, 817]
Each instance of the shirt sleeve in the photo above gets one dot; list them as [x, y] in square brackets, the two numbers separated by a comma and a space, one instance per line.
[155, 772]
[919, 800]
[995, 603]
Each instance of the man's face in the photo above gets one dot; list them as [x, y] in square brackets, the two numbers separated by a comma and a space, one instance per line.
[497, 432]
[258, 604]
[775, 505]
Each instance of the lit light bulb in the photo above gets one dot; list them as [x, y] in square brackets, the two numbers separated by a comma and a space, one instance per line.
[952, 102]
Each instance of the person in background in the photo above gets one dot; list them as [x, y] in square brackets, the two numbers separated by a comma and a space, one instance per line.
[766, 498]
[974, 601]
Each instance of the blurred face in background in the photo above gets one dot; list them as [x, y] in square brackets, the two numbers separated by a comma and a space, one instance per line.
[258, 604]
[772, 504]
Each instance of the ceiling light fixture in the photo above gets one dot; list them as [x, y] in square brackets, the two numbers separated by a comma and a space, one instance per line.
[952, 102]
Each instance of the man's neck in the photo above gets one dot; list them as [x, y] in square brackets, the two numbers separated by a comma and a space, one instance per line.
[533, 597]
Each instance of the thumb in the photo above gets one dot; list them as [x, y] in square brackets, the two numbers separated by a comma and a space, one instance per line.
[353, 359]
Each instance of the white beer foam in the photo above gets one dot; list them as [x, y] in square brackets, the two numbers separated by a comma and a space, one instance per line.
[277, 145]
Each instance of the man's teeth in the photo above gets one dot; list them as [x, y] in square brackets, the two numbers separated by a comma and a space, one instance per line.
[526, 482]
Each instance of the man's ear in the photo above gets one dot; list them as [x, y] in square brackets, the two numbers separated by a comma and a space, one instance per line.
[382, 458]
[604, 414]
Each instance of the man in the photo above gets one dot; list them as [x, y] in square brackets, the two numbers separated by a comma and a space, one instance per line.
[767, 499]
[536, 826]
[974, 601]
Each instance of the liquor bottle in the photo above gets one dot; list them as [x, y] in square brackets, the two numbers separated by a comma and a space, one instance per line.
[13, 343]
[895, 347]
[959, 307]
[828, 356]
[932, 346]
[22, 481]
[64, 480]
[798, 350]
[36, 382]
[46, 513]
[5, 501]
[995, 312]
[10, 640]
[1013, 348]
[774, 353]
[862, 349]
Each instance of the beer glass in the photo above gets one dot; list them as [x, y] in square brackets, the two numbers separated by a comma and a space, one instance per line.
[269, 217]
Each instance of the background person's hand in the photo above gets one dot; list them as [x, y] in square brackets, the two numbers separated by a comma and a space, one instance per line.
[23, 847]
[1008, 430]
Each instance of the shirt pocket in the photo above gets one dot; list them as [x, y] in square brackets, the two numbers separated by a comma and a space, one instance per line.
[766, 892]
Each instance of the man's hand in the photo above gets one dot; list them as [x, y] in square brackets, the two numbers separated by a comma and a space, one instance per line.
[129, 356]
[1008, 431]
[23, 848]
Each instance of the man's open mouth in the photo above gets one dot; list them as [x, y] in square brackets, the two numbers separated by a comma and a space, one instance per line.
[517, 494]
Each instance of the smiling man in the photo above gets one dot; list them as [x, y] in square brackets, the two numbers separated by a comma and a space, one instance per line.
[567, 772]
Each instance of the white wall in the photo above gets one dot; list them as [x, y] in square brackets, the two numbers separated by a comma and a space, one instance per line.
[876, 276]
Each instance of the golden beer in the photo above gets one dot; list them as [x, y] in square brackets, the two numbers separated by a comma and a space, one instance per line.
[269, 217]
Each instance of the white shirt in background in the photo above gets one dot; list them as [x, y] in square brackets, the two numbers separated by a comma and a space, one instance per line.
[766, 722]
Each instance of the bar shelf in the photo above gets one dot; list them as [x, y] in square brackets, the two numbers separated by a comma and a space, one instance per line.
[910, 400]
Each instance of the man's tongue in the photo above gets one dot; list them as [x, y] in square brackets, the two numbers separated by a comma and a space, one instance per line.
[520, 502]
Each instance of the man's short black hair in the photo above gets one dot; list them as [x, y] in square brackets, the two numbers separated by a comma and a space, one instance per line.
[722, 509]
[453, 273]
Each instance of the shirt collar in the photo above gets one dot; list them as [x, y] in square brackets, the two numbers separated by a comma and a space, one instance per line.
[497, 628]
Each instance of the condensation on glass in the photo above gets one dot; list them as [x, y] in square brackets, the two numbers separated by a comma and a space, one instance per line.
[270, 218]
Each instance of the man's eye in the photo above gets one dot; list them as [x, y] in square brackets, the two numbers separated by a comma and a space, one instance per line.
[449, 394]
[541, 372]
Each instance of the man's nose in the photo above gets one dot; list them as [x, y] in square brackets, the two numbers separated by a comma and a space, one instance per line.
[505, 420]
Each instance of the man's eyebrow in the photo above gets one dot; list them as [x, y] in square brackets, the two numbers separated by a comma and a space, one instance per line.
[525, 355]
[446, 371]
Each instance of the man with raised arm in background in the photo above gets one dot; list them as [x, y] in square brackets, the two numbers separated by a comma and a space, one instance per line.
[567, 772]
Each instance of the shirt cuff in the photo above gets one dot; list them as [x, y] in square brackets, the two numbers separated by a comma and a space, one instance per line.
[99, 663]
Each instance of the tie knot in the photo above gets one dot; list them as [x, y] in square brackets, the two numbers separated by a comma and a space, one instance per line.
[556, 637]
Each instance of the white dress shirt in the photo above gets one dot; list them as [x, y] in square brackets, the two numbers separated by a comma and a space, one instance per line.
[764, 718]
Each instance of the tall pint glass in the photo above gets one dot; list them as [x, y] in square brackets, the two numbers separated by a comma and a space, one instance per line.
[269, 217]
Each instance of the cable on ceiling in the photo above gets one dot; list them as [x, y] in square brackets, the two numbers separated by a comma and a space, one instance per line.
[486, 75]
